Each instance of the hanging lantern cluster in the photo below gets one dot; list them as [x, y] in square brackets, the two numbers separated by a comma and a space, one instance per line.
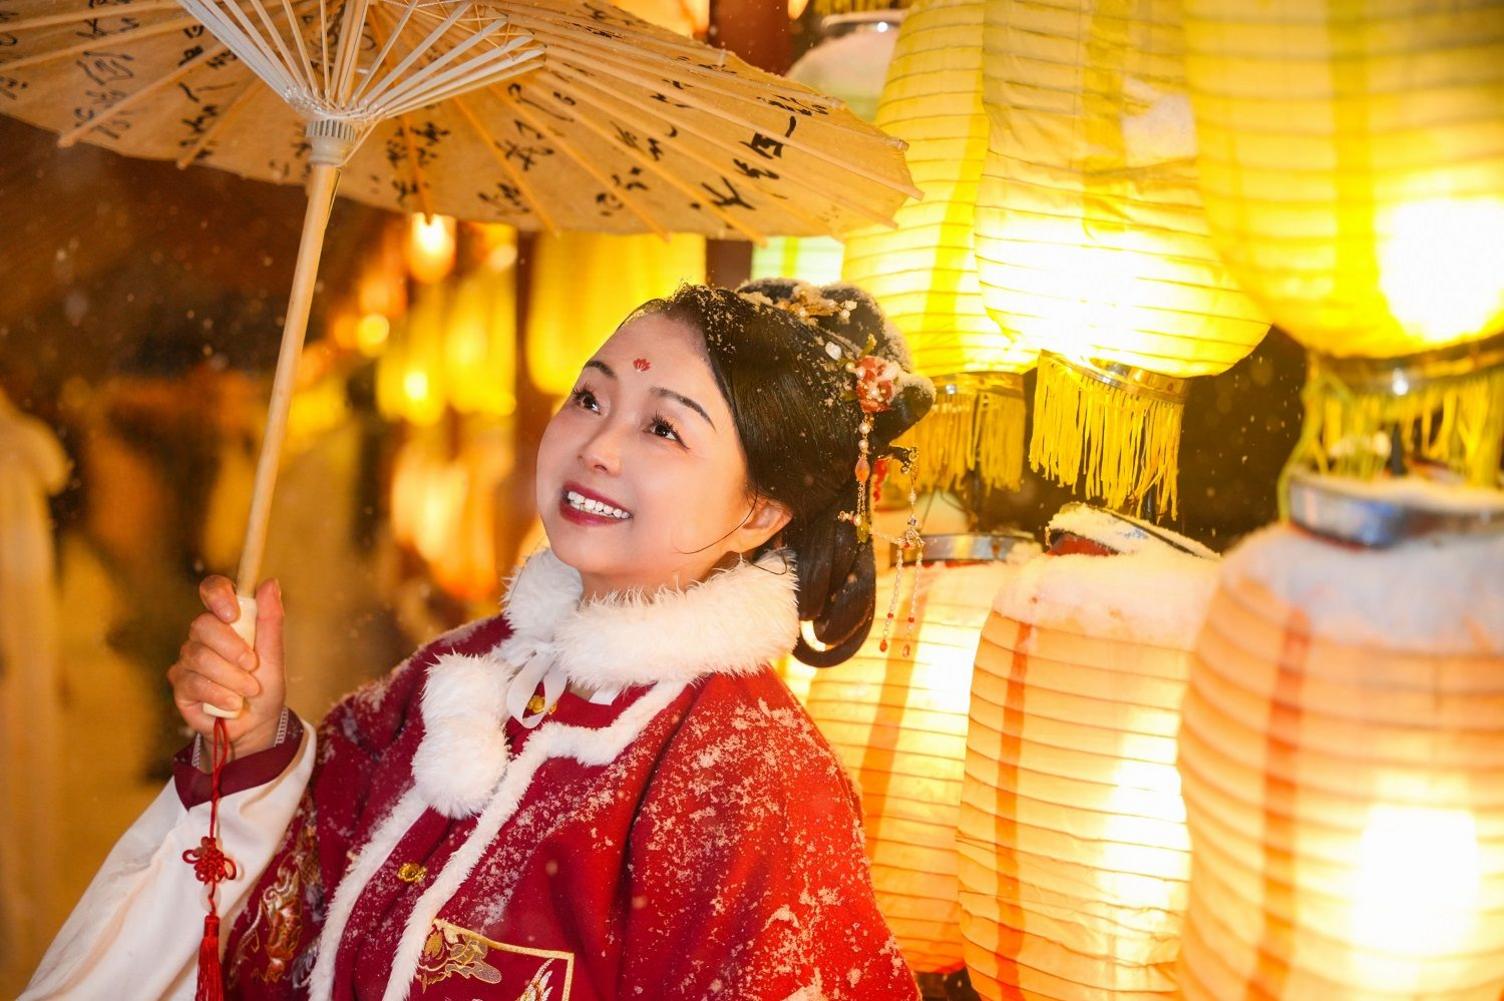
[924, 271]
[1074, 851]
[444, 505]
[1091, 242]
[1352, 166]
[455, 349]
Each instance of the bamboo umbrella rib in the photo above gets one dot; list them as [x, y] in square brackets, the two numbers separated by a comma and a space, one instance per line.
[295, 66]
[585, 165]
[418, 51]
[385, 50]
[297, 35]
[506, 165]
[514, 65]
[324, 45]
[253, 50]
[89, 14]
[348, 56]
[718, 143]
[100, 44]
[102, 113]
[687, 150]
[658, 171]
[209, 133]
[429, 85]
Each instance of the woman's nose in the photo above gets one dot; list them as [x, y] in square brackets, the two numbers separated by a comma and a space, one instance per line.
[602, 452]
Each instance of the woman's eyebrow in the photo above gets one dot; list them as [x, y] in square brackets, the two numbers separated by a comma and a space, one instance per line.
[691, 404]
[657, 391]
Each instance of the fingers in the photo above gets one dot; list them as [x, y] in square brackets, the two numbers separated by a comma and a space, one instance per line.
[209, 632]
[195, 689]
[217, 592]
[199, 664]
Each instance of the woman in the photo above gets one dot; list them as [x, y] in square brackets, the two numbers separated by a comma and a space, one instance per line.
[603, 792]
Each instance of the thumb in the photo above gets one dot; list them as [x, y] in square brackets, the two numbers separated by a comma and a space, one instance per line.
[269, 625]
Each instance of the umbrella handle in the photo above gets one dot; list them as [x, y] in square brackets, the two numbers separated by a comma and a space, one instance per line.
[245, 627]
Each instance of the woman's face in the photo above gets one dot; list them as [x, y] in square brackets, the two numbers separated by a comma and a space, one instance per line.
[642, 481]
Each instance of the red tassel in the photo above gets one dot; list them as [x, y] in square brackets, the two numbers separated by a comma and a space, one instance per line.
[211, 867]
[210, 983]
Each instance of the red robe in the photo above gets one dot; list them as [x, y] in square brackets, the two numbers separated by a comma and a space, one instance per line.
[718, 855]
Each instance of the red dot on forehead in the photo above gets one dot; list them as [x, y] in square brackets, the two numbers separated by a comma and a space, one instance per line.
[641, 364]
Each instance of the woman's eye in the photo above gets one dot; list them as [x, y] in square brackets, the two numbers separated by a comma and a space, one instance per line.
[584, 398]
[663, 429]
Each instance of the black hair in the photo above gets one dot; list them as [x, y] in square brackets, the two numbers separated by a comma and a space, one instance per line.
[797, 418]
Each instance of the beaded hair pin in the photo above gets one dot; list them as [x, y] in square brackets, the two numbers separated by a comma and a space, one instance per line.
[874, 388]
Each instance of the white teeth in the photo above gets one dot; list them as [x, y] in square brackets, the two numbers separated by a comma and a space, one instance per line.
[582, 503]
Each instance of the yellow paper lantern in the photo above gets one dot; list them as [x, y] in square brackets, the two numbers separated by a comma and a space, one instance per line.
[480, 345]
[431, 246]
[1091, 241]
[898, 722]
[1074, 852]
[1342, 752]
[1352, 163]
[584, 284]
[411, 372]
[924, 272]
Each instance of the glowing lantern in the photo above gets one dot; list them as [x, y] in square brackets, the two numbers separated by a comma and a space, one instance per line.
[898, 722]
[1352, 163]
[480, 345]
[1091, 241]
[849, 62]
[924, 272]
[444, 506]
[1074, 851]
[431, 247]
[1342, 752]
[584, 284]
[410, 374]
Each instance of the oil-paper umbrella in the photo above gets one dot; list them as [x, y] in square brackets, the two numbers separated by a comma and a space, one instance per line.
[544, 113]
[557, 114]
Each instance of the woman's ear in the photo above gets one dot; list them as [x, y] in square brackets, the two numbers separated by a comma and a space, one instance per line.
[766, 520]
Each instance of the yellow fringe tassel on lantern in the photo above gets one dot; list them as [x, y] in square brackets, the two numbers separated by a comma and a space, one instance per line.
[1112, 428]
[1447, 409]
[975, 429]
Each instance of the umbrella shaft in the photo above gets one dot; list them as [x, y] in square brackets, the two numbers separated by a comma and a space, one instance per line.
[322, 181]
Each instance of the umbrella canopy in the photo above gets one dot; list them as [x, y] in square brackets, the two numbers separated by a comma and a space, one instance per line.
[557, 114]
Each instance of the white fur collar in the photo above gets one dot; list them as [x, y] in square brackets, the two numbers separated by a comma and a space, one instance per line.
[735, 622]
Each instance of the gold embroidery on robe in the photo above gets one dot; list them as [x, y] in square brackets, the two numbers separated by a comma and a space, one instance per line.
[278, 923]
[454, 951]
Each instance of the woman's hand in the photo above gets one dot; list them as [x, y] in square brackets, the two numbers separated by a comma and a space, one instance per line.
[217, 666]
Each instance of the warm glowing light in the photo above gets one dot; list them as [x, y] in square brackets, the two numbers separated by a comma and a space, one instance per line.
[431, 247]
[1416, 889]
[371, 332]
[1441, 268]
[898, 722]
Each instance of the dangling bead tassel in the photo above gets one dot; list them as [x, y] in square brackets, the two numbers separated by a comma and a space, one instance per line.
[211, 866]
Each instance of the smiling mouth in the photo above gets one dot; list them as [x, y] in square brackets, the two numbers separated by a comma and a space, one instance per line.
[587, 505]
